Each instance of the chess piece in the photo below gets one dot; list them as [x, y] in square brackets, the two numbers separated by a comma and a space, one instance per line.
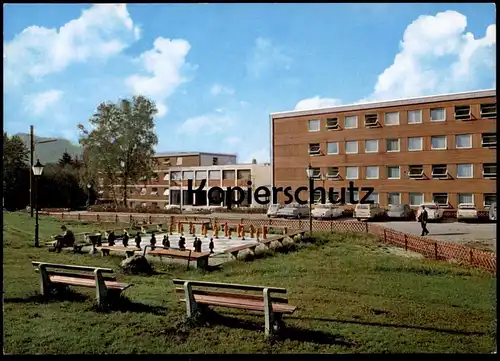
[182, 243]
[166, 242]
[211, 245]
[258, 234]
[229, 233]
[138, 240]
[152, 241]
[216, 231]
[252, 231]
[171, 228]
[225, 230]
[242, 232]
[125, 239]
[264, 232]
[111, 238]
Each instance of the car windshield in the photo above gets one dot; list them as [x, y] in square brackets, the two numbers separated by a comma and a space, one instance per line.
[430, 206]
[397, 208]
[363, 206]
[292, 205]
[323, 206]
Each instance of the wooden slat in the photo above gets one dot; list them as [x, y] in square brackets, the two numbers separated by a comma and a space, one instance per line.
[79, 275]
[87, 282]
[180, 291]
[71, 267]
[242, 247]
[119, 248]
[242, 304]
[178, 254]
[229, 285]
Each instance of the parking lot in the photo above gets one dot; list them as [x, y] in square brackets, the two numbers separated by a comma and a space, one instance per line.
[479, 235]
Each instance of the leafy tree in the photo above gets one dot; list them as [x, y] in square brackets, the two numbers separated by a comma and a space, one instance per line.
[120, 147]
[65, 159]
[15, 172]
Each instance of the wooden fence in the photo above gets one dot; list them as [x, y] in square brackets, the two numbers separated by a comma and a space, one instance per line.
[429, 248]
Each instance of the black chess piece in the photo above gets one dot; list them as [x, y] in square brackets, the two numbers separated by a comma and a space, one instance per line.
[125, 240]
[198, 245]
[138, 240]
[166, 242]
[152, 241]
[111, 238]
[211, 245]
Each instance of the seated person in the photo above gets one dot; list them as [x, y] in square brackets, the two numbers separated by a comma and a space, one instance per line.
[67, 239]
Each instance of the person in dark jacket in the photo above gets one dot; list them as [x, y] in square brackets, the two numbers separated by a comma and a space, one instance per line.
[67, 239]
[423, 218]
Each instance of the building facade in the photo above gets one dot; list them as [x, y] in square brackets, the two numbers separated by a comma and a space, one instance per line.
[175, 169]
[429, 149]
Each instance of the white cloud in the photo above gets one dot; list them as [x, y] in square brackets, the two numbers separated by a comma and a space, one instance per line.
[165, 63]
[266, 55]
[232, 140]
[437, 56]
[100, 32]
[316, 103]
[38, 103]
[218, 89]
[262, 155]
[207, 124]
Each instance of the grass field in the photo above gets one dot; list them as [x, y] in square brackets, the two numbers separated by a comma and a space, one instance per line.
[354, 296]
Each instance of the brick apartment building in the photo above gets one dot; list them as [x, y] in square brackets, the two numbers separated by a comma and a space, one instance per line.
[175, 169]
[436, 148]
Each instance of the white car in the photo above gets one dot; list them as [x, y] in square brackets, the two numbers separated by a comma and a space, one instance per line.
[368, 211]
[293, 210]
[466, 211]
[434, 213]
[328, 210]
[273, 210]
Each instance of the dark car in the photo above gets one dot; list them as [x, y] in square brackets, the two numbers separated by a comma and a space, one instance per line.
[400, 211]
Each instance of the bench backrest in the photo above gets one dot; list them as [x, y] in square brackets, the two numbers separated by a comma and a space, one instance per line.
[233, 286]
[72, 267]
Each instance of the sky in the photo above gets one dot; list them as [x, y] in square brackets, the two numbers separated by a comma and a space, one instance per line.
[216, 71]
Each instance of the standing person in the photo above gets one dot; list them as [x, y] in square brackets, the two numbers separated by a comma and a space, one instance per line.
[422, 218]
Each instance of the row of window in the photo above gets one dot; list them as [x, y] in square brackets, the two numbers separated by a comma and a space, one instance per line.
[417, 199]
[371, 120]
[241, 174]
[178, 161]
[462, 141]
[439, 171]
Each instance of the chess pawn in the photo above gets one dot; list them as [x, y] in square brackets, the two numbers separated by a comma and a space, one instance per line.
[252, 231]
[195, 244]
[181, 228]
[258, 233]
[138, 240]
[225, 230]
[152, 241]
[264, 232]
[171, 228]
[216, 231]
[166, 242]
[242, 232]
[229, 233]
[111, 238]
[211, 245]
[125, 239]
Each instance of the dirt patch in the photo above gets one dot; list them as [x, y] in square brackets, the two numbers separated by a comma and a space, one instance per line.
[401, 252]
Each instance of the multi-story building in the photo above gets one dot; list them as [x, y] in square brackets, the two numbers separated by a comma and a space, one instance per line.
[428, 149]
[175, 169]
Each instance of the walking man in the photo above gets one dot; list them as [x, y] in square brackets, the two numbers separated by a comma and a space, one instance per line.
[422, 218]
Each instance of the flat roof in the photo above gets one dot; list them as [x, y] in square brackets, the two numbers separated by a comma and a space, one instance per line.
[388, 103]
[186, 154]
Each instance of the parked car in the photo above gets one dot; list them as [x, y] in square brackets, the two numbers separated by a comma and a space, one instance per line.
[293, 210]
[493, 212]
[400, 211]
[273, 210]
[434, 213]
[368, 211]
[328, 210]
[466, 211]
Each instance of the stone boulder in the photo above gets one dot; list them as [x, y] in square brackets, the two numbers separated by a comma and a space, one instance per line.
[136, 265]
[275, 246]
[245, 255]
[261, 250]
[288, 244]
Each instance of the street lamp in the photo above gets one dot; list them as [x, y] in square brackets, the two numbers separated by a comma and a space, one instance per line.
[310, 173]
[37, 172]
[88, 194]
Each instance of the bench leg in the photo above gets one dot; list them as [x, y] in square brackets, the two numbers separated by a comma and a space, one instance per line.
[191, 306]
[268, 313]
[45, 284]
[101, 290]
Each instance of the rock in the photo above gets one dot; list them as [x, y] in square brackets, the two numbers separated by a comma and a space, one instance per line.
[297, 238]
[261, 250]
[245, 255]
[275, 246]
[288, 243]
[136, 265]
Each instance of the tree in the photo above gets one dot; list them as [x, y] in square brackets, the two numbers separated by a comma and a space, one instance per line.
[120, 147]
[15, 172]
[65, 159]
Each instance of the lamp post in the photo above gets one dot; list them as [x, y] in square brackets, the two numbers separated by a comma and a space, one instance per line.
[88, 194]
[37, 172]
[310, 173]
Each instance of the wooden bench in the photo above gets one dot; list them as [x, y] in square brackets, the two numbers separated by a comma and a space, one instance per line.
[129, 251]
[201, 258]
[235, 250]
[52, 277]
[199, 299]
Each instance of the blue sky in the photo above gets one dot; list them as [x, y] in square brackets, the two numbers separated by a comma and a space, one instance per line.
[216, 71]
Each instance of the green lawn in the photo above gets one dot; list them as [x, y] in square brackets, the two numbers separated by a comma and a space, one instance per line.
[354, 296]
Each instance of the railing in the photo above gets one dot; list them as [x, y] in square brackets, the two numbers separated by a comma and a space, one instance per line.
[429, 248]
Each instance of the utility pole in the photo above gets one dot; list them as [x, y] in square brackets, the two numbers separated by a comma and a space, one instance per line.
[32, 153]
